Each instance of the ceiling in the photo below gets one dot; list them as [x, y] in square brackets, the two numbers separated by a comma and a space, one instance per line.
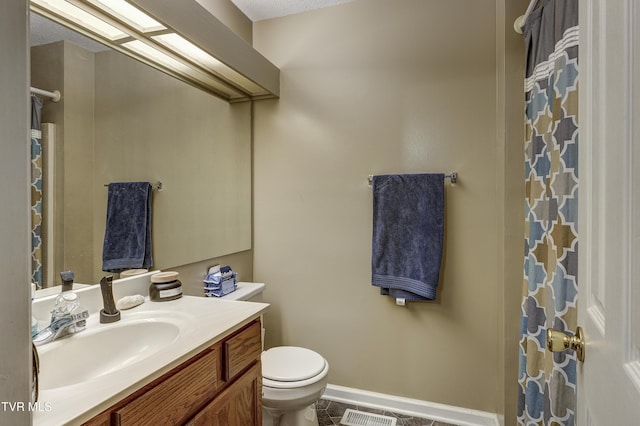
[45, 31]
[258, 10]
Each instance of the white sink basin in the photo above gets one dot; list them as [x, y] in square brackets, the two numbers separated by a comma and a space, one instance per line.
[103, 349]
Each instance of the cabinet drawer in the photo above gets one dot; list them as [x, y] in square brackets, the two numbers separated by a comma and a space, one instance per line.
[177, 398]
[241, 350]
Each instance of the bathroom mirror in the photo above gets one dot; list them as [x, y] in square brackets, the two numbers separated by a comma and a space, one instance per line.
[121, 120]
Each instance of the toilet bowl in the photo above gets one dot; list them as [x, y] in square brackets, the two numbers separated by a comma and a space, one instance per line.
[293, 380]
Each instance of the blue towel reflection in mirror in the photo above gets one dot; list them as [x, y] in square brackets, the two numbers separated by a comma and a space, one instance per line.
[127, 237]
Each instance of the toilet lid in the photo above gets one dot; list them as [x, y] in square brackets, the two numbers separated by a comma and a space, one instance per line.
[291, 364]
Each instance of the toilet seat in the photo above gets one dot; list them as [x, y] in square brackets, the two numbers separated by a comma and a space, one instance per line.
[292, 367]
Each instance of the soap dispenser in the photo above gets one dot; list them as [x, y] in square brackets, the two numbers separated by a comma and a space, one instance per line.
[67, 278]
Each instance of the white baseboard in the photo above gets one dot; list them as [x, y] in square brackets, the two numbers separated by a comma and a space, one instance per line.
[410, 407]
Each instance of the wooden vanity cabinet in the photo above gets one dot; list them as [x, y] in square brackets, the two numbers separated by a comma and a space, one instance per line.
[222, 385]
[236, 405]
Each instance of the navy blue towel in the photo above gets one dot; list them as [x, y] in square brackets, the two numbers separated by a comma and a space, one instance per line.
[408, 233]
[127, 237]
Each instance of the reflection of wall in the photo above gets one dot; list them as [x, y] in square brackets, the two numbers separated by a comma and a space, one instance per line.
[152, 127]
[369, 87]
[66, 67]
[144, 125]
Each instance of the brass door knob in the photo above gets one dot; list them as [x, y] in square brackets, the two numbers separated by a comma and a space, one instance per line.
[558, 341]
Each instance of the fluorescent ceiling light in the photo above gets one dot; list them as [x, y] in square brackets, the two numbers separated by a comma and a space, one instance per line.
[194, 53]
[155, 55]
[129, 14]
[190, 50]
[78, 16]
[207, 54]
[177, 66]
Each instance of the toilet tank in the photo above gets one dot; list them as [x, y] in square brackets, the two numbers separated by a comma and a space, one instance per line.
[251, 292]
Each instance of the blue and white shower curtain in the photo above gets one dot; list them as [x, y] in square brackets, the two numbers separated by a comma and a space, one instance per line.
[36, 192]
[547, 391]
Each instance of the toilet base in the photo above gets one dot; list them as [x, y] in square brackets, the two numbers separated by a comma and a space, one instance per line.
[305, 417]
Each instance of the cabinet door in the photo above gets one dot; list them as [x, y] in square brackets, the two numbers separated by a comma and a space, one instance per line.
[175, 399]
[238, 405]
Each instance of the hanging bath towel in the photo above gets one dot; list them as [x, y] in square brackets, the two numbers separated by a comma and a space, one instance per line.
[127, 237]
[408, 232]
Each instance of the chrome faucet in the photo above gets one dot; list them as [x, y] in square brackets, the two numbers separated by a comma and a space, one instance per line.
[67, 316]
[61, 326]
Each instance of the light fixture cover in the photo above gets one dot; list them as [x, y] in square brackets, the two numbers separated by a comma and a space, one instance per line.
[179, 37]
[194, 23]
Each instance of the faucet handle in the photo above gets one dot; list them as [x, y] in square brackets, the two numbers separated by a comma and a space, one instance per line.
[61, 327]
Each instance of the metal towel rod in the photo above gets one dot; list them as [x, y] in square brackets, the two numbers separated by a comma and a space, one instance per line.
[157, 186]
[453, 177]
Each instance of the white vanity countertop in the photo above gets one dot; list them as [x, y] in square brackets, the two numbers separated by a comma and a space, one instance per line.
[204, 321]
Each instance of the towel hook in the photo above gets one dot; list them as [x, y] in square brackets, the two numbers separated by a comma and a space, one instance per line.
[453, 178]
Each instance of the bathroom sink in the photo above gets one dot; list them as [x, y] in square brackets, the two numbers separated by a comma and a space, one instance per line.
[103, 349]
[85, 373]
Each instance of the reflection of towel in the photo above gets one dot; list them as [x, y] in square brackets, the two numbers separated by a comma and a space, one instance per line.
[127, 237]
[408, 231]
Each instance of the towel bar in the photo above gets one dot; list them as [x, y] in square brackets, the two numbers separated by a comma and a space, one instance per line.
[157, 186]
[453, 177]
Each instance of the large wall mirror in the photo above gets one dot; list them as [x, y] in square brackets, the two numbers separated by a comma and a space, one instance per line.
[121, 120]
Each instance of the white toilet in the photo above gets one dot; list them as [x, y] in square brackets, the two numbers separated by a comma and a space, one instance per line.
[293, 378]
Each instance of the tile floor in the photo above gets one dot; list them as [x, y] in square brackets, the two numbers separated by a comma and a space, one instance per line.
[330, 413]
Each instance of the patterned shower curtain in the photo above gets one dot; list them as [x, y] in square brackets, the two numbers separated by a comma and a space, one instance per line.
[36, 192]
[547, 391]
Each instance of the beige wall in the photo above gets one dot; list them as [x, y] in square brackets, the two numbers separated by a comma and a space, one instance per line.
[152, 127]
[79, 160]
[118, 121]
[374, 87]
[231, 16]
[510, 74]
[15, 362]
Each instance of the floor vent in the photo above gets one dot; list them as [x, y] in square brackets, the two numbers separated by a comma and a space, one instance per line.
[360, 418]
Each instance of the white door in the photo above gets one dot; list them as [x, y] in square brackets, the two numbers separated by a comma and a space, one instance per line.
[609, 270]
